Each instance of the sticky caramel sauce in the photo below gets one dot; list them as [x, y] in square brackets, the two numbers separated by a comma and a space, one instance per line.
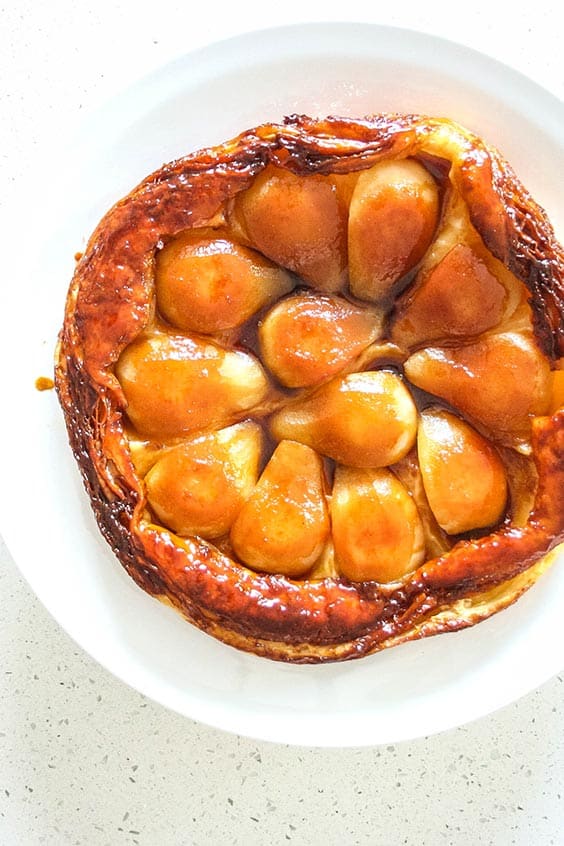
[44, 383]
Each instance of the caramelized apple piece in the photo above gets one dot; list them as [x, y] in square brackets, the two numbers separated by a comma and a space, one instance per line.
[393, 215]
[460, 297]
[175, 384]
[463, 475]
[199, 487]
[205, 282]
[305, 340]
[298, 222]
[501, 381]
[376, 527]
[283, 526]
[364, 419]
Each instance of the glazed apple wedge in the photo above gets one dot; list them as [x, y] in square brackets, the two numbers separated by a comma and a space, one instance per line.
[365, 419]
[199, 486]
[175, 384]
[463, 475]
[433, 310]
[300, 224]
[284, 524]
[304, 340]
[500, 381]
[206, 282]
[377, 530]
[393, 215]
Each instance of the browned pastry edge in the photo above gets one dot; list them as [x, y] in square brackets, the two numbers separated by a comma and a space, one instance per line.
[108, 305]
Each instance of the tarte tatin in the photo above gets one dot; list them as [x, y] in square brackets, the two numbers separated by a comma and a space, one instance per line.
[314, 381]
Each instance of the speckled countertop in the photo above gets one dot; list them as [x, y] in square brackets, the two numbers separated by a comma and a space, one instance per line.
[84, 759]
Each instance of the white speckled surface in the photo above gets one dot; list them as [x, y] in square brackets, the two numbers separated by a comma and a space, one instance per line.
[85, 760]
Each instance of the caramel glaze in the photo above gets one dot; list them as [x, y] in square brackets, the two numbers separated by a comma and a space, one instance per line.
[110, 301]
[44, 383]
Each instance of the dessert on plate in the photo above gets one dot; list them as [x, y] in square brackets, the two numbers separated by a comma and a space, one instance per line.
[314, 381]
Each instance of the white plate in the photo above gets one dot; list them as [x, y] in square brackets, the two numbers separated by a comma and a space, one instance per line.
[201, 99]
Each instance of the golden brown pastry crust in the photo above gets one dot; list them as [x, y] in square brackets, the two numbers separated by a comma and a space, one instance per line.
[109, 303]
